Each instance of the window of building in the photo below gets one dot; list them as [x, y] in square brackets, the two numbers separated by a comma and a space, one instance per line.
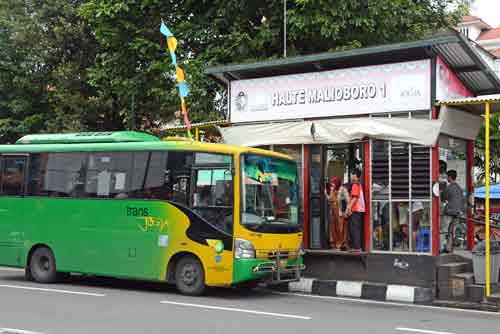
[13, 172]
[421, 114]
[465, 31]
[401, 197]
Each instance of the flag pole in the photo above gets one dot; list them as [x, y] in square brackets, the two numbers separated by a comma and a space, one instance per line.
[284, 28]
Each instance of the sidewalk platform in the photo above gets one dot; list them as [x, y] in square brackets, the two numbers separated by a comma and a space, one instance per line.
[364, 290]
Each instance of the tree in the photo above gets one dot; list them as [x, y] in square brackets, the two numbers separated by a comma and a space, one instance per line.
[86, 64]
[23, 98]
[221, 32]
[494, 151]
[46, 50]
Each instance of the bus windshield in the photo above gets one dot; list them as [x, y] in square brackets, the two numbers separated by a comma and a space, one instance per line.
[269, 194]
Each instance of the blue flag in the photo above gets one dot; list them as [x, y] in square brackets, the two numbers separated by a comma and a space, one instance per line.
[183, 90]
[174, 58]
[165, 31]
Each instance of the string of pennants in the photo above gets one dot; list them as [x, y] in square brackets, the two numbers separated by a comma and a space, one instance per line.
[179, 73]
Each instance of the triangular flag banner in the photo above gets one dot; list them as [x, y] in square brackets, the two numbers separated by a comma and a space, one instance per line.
[174, 58]
[183, 106]
[164, 30]
[183, 90]
[186, 121]
[179, 73]
[172, 43]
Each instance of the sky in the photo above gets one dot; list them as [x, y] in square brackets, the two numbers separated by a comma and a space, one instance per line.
[488, 10]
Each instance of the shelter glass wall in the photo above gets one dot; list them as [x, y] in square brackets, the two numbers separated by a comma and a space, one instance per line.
[401, 194]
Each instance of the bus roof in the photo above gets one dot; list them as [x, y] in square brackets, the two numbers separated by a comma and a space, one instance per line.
[120, 141]
[88, 137]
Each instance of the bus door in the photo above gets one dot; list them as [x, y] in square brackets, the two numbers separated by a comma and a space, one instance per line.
[212, 197]
[12, 177]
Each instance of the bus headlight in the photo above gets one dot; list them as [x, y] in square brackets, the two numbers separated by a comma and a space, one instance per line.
[243, 249]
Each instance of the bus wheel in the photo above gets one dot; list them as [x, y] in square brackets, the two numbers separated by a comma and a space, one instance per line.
[43, 266]
[189, 276]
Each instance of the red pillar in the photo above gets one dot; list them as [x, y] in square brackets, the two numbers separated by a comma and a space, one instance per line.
[367, 192]
[435, 200]
[305, 178]
[470, 191]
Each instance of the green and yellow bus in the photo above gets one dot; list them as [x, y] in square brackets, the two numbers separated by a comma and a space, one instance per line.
[129, 205]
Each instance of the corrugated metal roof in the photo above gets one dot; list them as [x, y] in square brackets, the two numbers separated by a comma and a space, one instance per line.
[475, 104]
[452, 47]
[196, 125]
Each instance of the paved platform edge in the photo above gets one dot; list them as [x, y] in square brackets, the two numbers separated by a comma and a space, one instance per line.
[364, 290]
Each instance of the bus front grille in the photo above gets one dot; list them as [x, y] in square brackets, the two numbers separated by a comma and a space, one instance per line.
[276, 255]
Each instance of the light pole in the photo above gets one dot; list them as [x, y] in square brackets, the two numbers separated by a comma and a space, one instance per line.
[284, 28]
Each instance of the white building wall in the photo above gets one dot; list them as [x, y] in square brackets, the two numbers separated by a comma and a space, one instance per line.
[474, 32]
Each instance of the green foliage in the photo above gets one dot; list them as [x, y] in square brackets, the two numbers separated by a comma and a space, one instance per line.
[86, 64]
[494, 151]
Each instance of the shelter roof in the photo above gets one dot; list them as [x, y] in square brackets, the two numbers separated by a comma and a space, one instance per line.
[455, 50]
[475, 105]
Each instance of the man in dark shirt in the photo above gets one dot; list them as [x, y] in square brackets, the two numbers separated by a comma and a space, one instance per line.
[454, 197]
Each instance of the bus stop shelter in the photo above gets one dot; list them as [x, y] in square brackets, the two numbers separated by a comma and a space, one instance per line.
[485, 106]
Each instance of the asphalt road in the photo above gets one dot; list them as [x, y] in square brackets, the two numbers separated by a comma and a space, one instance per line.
[97, 305]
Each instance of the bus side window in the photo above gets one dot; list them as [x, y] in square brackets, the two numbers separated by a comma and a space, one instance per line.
[63, 175]
[1, 172]
[36, 174]
[109, 174]
[179, 168]
[13, 173]
[162, 175]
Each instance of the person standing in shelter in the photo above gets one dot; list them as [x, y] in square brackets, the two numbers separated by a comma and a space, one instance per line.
[453, 196]
[356, 211]
[338, 198]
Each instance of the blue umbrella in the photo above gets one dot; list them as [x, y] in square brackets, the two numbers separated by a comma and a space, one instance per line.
[494, 192]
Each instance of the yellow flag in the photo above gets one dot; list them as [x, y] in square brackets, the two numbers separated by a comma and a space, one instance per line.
[180, 74]
[183, 106]
[172, 43]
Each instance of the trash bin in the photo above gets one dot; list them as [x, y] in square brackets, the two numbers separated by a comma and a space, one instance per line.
[479, 262]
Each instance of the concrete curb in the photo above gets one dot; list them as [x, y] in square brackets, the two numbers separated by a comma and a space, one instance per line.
[364, 290]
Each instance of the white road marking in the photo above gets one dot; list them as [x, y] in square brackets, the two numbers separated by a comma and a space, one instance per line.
[368, 301]
[11, 269]
[231, 309]
[422, 331]
[53, 290]
[17, 331]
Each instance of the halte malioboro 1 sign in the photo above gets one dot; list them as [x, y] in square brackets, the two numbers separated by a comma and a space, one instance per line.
[354, 91]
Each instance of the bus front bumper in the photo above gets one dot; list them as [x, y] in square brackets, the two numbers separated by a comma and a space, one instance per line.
[275, 271]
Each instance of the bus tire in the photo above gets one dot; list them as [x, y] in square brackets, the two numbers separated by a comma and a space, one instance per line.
[43, 266]
[190, 276]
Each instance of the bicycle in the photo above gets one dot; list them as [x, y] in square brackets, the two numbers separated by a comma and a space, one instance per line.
[457, 233]
[494, 228]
